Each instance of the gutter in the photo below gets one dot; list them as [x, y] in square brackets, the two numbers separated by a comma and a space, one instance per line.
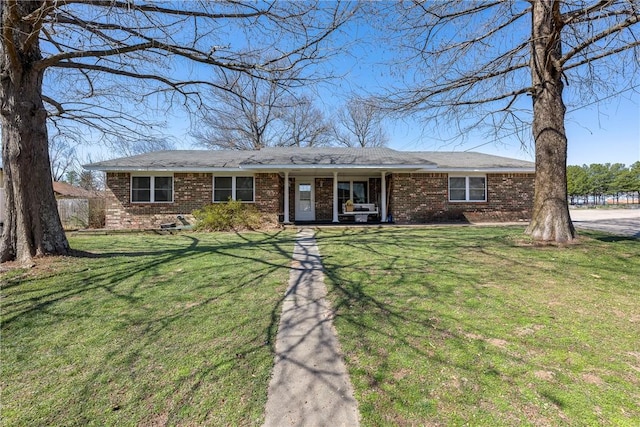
[297, 168]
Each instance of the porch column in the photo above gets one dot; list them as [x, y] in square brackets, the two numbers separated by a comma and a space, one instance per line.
[335, 196]
[383, 198]
[286, 197]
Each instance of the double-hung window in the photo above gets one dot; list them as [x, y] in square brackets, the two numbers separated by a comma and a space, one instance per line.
[467, 189]
[233, 188]
[152, 189]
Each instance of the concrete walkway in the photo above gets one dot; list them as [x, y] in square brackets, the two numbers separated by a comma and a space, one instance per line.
[310, 385]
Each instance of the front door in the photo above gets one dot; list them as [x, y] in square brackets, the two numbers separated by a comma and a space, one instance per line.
[305, 203]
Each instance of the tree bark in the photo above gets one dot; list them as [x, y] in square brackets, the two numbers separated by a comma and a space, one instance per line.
[550, 219]
[32, 227]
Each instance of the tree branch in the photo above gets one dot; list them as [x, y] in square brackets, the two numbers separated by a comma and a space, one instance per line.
[55, 104]
[37, 17]
[177, 85]
[573, 15]
[9, 22]
[177, 12]
[58, 59]
[590, 41]
[602, 55]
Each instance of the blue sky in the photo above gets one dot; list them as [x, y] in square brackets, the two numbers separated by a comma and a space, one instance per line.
[608, 132]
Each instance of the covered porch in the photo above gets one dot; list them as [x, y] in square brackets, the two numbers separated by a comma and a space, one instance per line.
[345, 196]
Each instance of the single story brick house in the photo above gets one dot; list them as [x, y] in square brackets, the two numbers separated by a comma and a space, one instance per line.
[325, 184]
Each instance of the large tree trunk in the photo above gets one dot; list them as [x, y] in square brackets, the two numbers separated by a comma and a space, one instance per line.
[550, 220]
[32, 226]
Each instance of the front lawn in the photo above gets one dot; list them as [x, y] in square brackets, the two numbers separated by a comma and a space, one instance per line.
[477, 326]
[440, 326]
[144, 330]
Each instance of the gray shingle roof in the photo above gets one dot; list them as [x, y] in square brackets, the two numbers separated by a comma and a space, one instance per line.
[336, 156]
[469, 159]
[295, 157]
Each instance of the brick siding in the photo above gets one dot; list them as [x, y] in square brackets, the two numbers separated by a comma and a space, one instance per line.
[423, 197]
[191, 191]
[414, 198]
[268, 190]
[324, 199]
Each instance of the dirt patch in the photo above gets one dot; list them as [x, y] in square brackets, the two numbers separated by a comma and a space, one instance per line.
[398, 375]
[40, 265]
[497, 342]
[528, 330]
[156, 420]
[544, 375]
[592, 379]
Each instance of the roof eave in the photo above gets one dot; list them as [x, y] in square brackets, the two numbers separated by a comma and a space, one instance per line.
[283, 168]
[157, 169]
[255, 168]
[486, 170]
[290, 167]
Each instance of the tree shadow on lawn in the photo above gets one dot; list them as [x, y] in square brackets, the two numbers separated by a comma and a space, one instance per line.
[273, 240]
[37, 304]
[386, 324]
[108, 277]
[611, 238]
[392, 304]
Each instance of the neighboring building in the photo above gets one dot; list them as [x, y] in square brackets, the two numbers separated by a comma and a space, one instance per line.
[78, 207]
[64, 190]
[314, 184]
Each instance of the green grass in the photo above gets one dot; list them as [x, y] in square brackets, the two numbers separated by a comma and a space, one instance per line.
[477, 326]
[440, 326]
[144, 330]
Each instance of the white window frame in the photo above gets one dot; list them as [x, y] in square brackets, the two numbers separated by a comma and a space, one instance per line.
[466, 188]
[357, 179]
[152, 188]
[233, 187]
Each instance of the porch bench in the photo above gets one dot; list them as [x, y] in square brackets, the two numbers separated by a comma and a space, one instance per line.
[361, 211]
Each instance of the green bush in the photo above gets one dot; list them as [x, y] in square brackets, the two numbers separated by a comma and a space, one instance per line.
[228, 216]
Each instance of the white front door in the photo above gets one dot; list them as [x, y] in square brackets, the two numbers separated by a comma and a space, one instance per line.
[305, 200]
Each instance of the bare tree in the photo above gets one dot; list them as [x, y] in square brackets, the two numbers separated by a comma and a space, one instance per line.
[302, 124]
[145, 145]
[254, 113]
[62, 154]
[106, 63]
[505, 65]
[88, 180]
[359, 124]
[242, 116]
